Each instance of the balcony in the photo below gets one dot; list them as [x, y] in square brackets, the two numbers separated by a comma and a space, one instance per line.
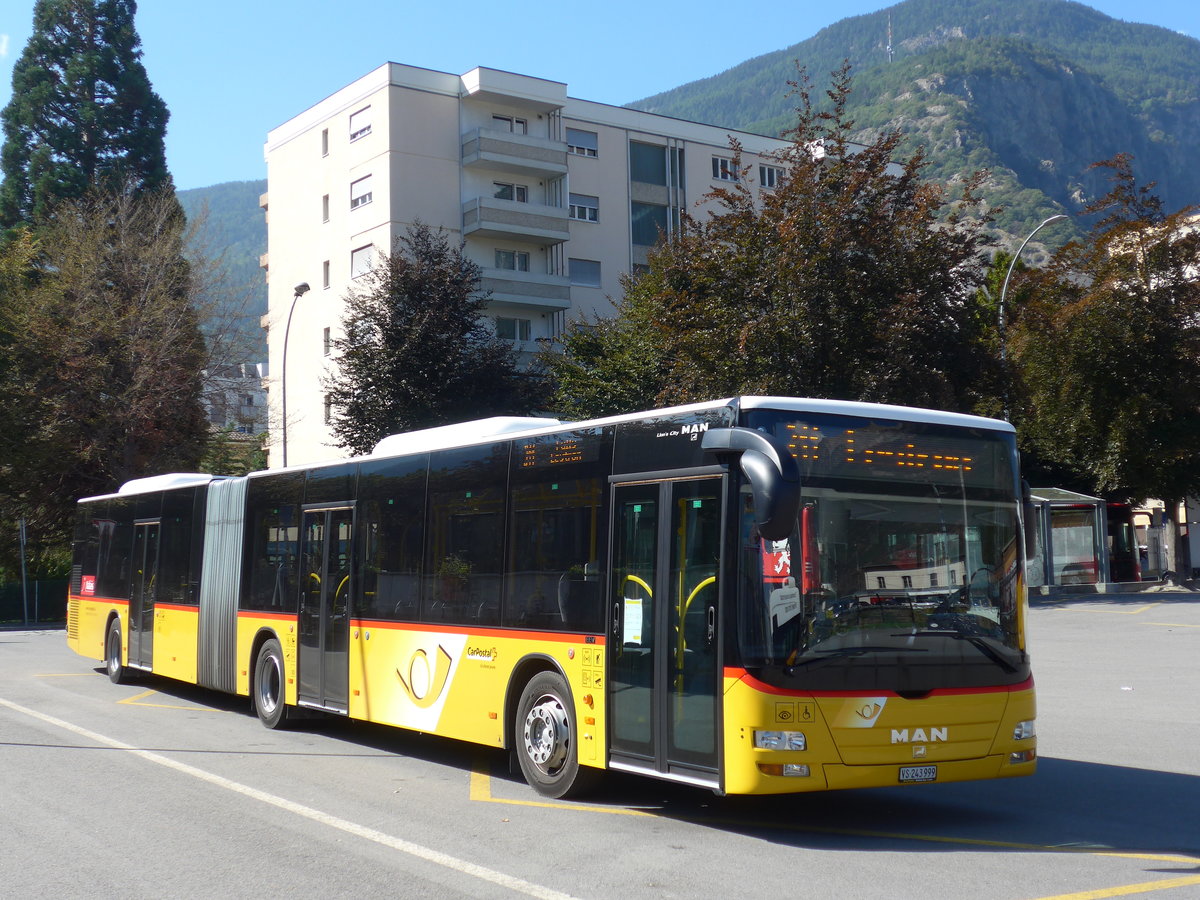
[522, 154]
[540, 293]
[511, 220]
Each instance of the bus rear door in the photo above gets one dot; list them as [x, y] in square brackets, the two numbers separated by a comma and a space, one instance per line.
[324, 645]
[143, 590]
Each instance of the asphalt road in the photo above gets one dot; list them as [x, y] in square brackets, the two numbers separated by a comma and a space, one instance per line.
[160, 790]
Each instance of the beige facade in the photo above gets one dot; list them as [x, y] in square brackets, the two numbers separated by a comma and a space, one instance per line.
[554, 197]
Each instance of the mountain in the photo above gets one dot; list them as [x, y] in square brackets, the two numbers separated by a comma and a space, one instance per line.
[1035, 91]
[232, 231]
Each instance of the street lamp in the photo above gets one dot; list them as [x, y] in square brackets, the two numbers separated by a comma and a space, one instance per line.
[1008, 275]
[300, 290]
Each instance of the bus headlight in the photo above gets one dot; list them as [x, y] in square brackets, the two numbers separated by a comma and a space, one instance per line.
[787, 770]
[780, 740]
[1024, 731]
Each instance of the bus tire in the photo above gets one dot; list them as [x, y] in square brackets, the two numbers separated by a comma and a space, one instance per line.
[268, 688]
[117, 673]
[547, 739]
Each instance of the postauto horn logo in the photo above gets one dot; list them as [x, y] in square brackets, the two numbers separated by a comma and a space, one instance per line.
[425, 683]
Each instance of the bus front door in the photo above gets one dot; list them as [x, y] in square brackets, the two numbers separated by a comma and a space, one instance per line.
[663, 631]
[323, 651]
[143, 588]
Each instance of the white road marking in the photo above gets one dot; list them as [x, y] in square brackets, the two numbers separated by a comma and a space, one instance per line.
[462, 866]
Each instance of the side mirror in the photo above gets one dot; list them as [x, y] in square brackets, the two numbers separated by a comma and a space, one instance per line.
[771, 472]
[1029, 515]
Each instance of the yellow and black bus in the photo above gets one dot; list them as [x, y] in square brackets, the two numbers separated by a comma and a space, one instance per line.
[757, 595]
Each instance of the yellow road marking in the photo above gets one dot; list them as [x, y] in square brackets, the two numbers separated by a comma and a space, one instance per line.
[1115, 612]
[1171, 625]
[136, 699]
[1144, 887]
[481, 791]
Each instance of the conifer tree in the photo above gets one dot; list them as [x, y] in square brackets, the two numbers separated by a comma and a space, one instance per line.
[83, 113]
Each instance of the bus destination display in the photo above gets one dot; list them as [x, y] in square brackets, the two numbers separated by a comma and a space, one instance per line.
[559, 449]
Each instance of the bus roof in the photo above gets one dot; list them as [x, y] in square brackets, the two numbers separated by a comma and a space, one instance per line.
[158, 483]
[867, 410]
[478, 431]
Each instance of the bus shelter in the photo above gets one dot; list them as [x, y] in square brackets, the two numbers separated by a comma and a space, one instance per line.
[1070, 539]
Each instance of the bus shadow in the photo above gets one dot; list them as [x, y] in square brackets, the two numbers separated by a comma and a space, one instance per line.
[1068, 806]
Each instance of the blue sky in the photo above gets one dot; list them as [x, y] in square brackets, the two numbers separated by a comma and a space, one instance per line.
[230, 70]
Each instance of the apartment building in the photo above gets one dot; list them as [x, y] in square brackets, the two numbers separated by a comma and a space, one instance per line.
[553, 197]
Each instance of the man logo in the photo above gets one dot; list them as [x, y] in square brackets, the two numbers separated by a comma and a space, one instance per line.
[919, 735]
[422, 686]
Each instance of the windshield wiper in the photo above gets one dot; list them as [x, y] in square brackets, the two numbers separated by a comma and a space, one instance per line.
[977, 642]
[842, 652]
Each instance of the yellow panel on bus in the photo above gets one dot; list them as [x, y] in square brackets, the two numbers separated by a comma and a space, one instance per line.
[853, 739]
[175, 641]
[456, 684]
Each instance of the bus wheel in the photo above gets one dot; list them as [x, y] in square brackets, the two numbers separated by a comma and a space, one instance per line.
[547, 739]
[268, 685]
[117, 673]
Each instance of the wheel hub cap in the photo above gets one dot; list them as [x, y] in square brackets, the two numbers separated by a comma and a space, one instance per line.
[547, 733]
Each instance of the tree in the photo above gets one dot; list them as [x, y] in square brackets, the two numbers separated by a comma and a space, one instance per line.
[842, 281]
[416, 350]
[107, 371]
[83, 113]
[1108, 343]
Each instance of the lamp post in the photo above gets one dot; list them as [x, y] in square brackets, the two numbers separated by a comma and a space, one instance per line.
[1008, 275]
[300, 290]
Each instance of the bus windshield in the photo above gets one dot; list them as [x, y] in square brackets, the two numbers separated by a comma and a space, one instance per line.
[902, 572]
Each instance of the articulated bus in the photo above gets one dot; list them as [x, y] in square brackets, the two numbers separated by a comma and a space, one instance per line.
[755, 596]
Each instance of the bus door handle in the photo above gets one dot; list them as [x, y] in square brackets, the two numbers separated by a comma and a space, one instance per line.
[712, 624]
[617, 623]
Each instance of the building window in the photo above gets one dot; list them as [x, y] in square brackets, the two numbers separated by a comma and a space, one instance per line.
[724, 169]
[511, 123]
[517, 192]
[585, 208]
[327, 341]
[648, 221]
[325, 274]
[582, 143]
[584, 272]
[514, 260]
[360, 261]
[513, 329]
[360, 123]
[770, 176]
[324, 141]
[360, 192]
[647, 163]
[325, 208]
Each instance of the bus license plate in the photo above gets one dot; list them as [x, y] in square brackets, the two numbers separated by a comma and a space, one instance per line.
[918, 773]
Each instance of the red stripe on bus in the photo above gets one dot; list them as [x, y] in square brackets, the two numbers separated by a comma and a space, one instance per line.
[763, 687]
[177, 607]
[569, 637]
[115, 600]
[256, 614]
